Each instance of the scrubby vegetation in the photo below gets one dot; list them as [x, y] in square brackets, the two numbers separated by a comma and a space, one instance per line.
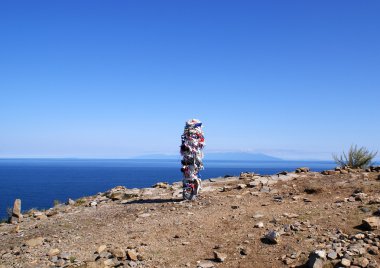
[355, 157]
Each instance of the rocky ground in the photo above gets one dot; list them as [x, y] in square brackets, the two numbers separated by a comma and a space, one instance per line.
[298, 219]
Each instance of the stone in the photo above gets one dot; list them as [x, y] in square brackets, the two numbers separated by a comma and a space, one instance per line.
[132, 255]
[51, 212]
[163, 185]
[118, 253]
[109, 262]
[302, 170]
[220, 257]
[259, 225]
[241, 186]
[273, 236]
[332, 255]
[345, 262]
[316, 259]
[205, 264]
[70, 202]
[257, 216]
[253, 184]
[371, 223]
[290, 215]
[144, 215]
[16, 212]
[34, 242]
[265, 189]
[101, 248]
[93, 204]
[362, 262]
[64, 256]
[53, 252]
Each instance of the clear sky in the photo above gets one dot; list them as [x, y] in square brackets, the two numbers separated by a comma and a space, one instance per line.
[294, 79]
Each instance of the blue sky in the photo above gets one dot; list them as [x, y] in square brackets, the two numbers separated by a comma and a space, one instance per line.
[294, 79]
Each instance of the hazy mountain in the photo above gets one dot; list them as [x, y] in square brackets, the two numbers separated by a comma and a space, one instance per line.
[234, 156]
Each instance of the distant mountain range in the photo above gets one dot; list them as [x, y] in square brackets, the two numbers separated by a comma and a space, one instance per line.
[233, 156]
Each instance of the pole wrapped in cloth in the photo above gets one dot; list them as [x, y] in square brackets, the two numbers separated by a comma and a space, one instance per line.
[192, 146]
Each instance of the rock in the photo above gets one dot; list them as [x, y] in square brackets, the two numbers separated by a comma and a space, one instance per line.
[330, 172]
[234, 207]
[39, 215]
[118, 253]
[302, 170]
[241, 186]
[373, 250]
[273, 237]
[51, 212]
[53, 252]
[70, 202]
[109, 262]
[163, 185]
[132, 255]
[361, 262]
[332, 255]
[259, 225]
[257, 216]
[253, 184]
[345, 262]
[316, 259]
[16, 212]
[371, 223]
[265, 189]
[205, 264]
[93, 204]
[101, 248]
[220, 257]
[244, 251]
[290, 215]
[144, 215]
[34, 242]
[227, 188]
[64, 256]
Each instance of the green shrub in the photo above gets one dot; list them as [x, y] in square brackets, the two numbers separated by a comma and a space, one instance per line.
[79, 202]
[355, 158]
[56, 202]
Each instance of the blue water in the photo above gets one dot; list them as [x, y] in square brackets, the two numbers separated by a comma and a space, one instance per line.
[38, 182]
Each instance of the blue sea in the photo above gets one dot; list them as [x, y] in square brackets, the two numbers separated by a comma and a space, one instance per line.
[38, 182]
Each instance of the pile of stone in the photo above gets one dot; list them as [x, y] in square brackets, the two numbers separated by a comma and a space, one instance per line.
[342, 250]
[110, 256]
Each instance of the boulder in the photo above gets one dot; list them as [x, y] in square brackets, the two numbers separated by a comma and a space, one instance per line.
[371, 223]
[16, 212]
[118, 253]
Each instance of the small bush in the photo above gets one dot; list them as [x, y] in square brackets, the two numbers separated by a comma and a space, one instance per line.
[56, 202]
[355, 158]
[79, 202]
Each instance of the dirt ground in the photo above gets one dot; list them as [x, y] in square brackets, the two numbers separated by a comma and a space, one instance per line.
[168, 232]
